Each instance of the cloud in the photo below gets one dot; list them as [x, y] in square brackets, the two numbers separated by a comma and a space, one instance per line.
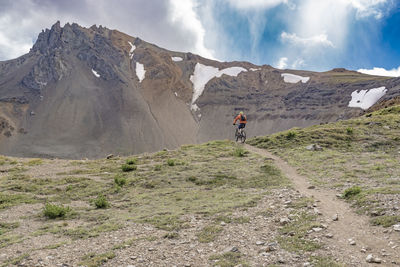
[282, 63]
[381, 72]
[321, 39]
[170, 24]
[182, 13]
[366, 8]
[258, 4]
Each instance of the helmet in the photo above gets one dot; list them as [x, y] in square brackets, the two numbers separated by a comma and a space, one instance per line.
[241, 112]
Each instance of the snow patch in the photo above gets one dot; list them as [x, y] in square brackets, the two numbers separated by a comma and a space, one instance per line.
[194, 107]
[95, 73]
[133, 47]
[366, 98]
[176, 94]
[291, 78]
[176, 59]
[253, 69]
[203, 74]
[140, 71]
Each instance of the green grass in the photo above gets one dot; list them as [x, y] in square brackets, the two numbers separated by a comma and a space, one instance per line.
[171, 162]
[132, 161]
[319, 261]
[386, 220]
[101, 202]
[205, 180]
[120, 180]
[15, 260]
[359, 155]
[8, 239]
[6, 227]
[53, 211]
[240, 152]
[228, 259]
[351, 192]
[95, 260]
[34, 162]
[209, 233]
[294, 234]
[128, 167]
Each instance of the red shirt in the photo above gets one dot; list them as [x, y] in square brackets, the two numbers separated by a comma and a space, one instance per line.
[239, 118]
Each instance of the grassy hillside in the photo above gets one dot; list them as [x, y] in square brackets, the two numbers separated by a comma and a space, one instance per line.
[210, 204]
[359, 158]
[103, 208]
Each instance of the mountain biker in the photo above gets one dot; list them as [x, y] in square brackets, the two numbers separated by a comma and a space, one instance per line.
[242, 120]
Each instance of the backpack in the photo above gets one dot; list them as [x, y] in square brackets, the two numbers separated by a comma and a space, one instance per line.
[243, 117]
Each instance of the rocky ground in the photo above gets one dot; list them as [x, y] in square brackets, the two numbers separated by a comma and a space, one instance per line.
[286, 223]
[334, 203]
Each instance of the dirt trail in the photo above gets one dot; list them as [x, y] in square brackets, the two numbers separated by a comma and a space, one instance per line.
[349, 226]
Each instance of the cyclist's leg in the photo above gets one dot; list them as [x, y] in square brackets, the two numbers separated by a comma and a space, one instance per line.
[241, 126]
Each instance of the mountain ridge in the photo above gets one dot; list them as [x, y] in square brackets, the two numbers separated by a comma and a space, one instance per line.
[78, 93]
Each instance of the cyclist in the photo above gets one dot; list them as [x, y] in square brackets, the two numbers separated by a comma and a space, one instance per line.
[242, 120]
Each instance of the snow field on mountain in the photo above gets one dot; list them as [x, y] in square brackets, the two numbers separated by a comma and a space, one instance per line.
[140, 71]
[177, 59]
[292, 78]
[95, 73]
[366, 98]
[194, 107]
[133, 47]
[203, 74]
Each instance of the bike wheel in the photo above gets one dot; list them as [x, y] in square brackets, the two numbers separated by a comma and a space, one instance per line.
[236, 135]
[243, 137]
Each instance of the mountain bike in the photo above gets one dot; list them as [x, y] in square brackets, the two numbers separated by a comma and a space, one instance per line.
[240, 135]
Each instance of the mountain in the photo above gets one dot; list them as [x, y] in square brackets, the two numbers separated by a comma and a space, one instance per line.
[87, 92]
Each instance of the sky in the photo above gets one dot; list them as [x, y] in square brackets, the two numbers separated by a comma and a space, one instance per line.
[316, 35]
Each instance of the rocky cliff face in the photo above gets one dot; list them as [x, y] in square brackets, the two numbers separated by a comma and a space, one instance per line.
[86, 92]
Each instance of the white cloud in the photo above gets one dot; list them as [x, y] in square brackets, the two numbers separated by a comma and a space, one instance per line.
[298, 63]
[171, 24]
[366, 8]
[282, 63]
[183, 13]
[321, 39]
[381, 72]
[257, 4]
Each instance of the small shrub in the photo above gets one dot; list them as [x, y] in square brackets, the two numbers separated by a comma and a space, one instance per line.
[386, 221]
[351, 192]
[128, 167]
[149, 184]
[101, 202]
[120, 181]
[171, 235]
[349, 130]
[53, 211]
[290, 135]
[239, 152]
[209, 233]
[191, 179]
[132, 161]
[157, 167]
[171, 162]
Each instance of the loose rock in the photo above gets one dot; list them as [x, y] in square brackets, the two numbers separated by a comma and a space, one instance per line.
[372, 259]
[314, 147]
